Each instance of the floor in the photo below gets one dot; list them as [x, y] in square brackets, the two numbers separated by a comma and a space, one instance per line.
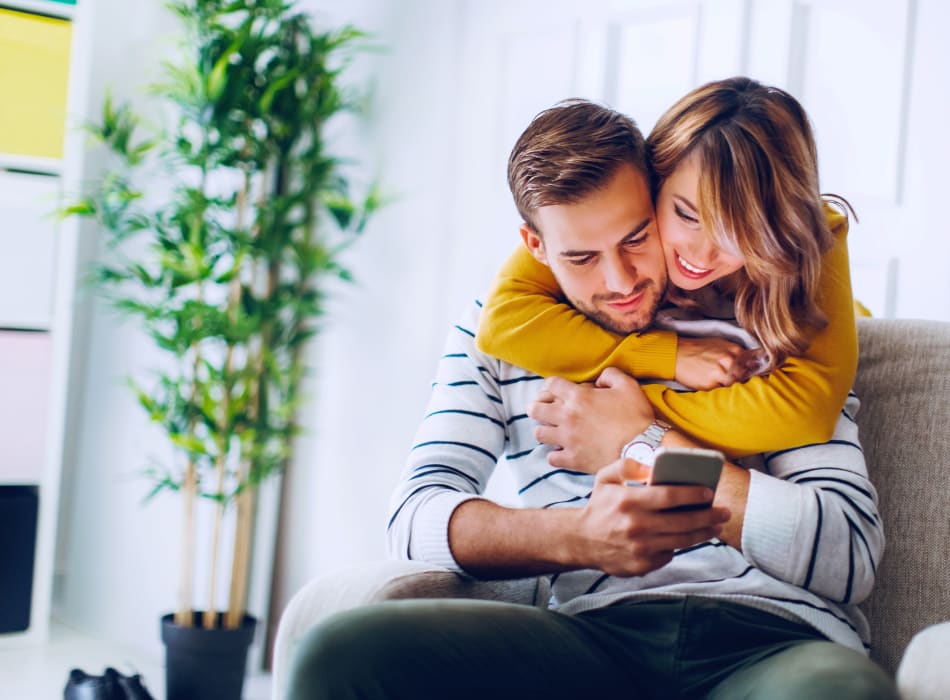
[40, 672]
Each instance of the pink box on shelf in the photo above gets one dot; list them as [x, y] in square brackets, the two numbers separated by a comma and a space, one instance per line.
[24, 397]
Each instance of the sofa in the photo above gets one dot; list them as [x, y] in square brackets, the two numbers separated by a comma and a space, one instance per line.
[904, 384]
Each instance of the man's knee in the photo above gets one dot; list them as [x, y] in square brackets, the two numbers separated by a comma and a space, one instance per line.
[333, 655]
[827, 671]
[812, 670]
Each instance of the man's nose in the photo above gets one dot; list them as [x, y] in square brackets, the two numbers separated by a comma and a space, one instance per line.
[619, 275]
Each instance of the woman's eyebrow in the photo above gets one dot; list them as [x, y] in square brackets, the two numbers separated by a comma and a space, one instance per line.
[682, 200]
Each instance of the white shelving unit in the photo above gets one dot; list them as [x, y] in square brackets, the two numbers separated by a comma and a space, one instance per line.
[32, 165]
[49, 8]
[38, 278]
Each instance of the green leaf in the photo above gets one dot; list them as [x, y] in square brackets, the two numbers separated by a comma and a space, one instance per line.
[342, 210]
[267, 99]
[85, 207]
[218, 74]
[187, 442]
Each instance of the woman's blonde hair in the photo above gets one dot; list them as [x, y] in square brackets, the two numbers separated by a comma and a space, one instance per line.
[759, 198]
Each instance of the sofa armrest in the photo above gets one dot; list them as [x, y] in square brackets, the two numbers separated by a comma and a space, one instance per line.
[924, 672]
[378, 581]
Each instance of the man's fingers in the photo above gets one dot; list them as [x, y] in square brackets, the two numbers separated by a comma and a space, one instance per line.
[541, 412]
[611, 377]
[681, 540]
[636, 471]
[679, 496]
[559, 387]
[683, 522]
[560, 459]
[665, 498]
[612, 473]
[546, 435]
[682, 507]
[608, 378]
[622, 471]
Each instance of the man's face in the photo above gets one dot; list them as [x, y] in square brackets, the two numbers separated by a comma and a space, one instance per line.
[605, 253]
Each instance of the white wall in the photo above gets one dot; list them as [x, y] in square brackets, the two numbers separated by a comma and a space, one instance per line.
[116, 559]
[457, 83]
[377, 356]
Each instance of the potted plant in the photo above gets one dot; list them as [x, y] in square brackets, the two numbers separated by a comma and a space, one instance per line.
[222, 231]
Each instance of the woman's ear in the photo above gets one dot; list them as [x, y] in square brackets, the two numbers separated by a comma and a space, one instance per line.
[534, 243]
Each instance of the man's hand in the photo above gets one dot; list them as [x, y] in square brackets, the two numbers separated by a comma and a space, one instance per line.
[630, 531]
[707, 363]
[590, 423]
[623, 530]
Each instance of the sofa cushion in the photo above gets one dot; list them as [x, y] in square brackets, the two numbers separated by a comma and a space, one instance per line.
[904, 385]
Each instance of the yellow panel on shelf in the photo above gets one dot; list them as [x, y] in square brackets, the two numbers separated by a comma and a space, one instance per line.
[34, 67]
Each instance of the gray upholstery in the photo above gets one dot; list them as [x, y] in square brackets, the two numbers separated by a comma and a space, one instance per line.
[904, 384]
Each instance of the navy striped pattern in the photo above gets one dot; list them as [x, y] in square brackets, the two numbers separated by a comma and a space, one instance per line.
[812, 539]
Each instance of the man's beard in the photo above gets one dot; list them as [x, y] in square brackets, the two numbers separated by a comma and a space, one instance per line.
[644, 318]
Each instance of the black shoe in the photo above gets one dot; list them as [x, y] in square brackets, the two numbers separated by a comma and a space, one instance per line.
[132, 687]
[82, 686]
[111, 685]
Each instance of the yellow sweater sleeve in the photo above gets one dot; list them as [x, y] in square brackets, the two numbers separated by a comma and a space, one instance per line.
[525, 312]
[797, 403]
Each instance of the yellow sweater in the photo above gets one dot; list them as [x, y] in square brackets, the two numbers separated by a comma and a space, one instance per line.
[796, 404]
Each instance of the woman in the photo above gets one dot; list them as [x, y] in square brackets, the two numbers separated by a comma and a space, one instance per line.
[742, 221]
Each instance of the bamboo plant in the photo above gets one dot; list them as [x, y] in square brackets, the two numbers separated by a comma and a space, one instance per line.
[223, 230]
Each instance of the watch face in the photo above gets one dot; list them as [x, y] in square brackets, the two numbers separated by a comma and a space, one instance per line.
[641, 452]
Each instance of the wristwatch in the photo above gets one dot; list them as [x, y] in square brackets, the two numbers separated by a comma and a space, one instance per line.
[643, 447]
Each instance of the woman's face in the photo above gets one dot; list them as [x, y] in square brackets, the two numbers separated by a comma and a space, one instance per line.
[693, 260]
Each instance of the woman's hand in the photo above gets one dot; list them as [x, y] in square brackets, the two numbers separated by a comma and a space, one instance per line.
[708, 363]
[590, 423]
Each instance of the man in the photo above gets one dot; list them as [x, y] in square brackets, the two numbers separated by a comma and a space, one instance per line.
[647, 599]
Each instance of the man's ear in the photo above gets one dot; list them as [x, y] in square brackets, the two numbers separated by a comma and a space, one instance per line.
[534, 243]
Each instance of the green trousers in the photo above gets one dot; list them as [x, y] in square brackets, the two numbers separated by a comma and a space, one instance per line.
[674, 648]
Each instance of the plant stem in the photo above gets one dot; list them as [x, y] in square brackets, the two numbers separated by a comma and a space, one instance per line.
[242, 553]
[256, 415]
[209, 617]
[185, 614]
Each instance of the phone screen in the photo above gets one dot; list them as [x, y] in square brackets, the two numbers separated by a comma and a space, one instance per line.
[689, 466]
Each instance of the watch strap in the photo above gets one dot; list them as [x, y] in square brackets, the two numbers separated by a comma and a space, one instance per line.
[644, 445]
[654, 433]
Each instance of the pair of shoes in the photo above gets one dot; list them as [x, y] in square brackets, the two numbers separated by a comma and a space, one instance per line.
[111, 685]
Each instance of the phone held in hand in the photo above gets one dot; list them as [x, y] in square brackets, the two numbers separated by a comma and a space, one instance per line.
[687, 466]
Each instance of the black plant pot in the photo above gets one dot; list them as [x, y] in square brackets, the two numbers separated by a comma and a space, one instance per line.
[205, 664]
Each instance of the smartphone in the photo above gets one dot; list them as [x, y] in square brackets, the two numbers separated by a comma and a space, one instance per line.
[687, 465]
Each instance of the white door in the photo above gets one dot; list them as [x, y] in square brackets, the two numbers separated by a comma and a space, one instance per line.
[873, 76]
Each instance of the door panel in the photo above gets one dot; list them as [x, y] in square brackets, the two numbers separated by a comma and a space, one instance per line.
[872, 76]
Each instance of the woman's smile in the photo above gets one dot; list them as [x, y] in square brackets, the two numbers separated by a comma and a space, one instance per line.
[690, 270]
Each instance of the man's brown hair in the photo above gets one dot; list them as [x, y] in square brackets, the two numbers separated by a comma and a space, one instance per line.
[569, 151]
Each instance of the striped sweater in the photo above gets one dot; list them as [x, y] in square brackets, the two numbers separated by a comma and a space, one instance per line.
[811, 539]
